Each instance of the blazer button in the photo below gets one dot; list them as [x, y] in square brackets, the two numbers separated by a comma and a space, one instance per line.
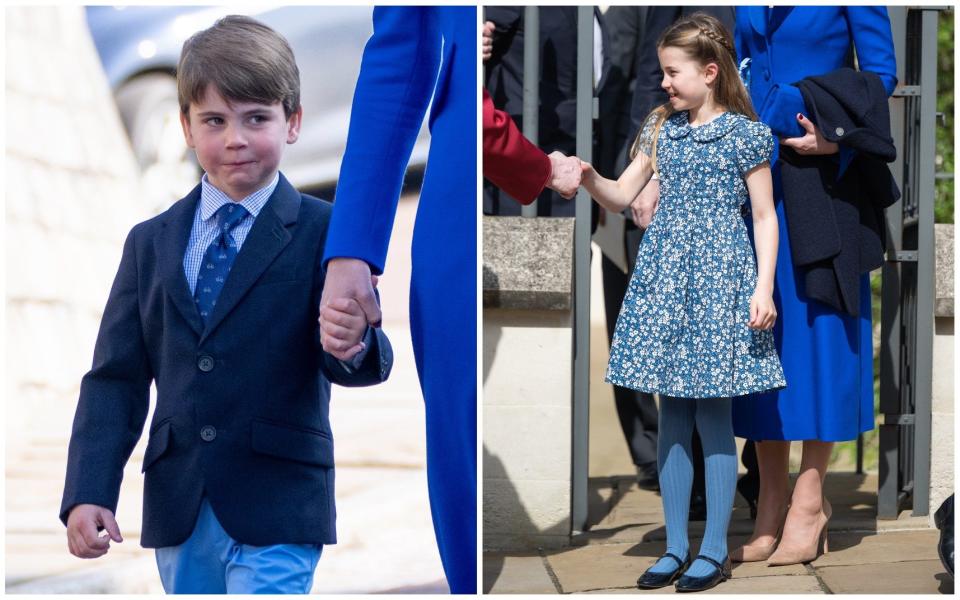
[205, 364]
[208, 433]
[838, 131]
[766, 73]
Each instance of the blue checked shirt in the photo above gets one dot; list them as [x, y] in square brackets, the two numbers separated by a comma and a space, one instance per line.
[205, 230]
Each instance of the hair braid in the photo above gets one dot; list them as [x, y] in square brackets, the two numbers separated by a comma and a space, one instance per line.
[720, 39]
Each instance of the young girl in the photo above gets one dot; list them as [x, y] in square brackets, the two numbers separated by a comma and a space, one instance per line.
[696, 319]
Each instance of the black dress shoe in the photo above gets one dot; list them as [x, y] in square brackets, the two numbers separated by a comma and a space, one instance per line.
[652, 581]
[722, 573]
[647, 477]
[698, 508]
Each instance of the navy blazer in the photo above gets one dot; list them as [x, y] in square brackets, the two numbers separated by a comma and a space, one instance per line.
[242, 403]
[836, 222]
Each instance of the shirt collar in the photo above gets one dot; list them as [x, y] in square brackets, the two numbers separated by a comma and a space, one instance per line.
[211, 198]
[717, 128]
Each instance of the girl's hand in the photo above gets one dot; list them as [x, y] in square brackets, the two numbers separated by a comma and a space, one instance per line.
[763, 313]
[587, 171]
[811, 143]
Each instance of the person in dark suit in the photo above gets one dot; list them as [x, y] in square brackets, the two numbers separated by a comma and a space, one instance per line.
[216, 302]
[558, 89]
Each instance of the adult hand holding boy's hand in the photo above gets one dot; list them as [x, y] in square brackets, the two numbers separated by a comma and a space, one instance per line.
[348, 280]
[82, 537]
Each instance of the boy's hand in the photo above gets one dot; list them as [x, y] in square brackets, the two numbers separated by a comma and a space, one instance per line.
[763, 312]
[342, 325]
[350, 279]
[82, 537]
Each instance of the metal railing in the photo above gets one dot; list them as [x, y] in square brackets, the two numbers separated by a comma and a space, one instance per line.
[906, 352]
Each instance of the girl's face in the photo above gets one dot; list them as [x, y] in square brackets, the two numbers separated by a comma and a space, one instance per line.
[685, 79]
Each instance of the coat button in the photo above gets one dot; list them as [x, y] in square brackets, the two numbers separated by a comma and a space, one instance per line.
[208, 433]
[838, 131]
[766, 73]
[205, 364]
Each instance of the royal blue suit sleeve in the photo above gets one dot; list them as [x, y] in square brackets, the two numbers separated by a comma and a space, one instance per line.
[397, 77]
[114, 398]
[873, 40]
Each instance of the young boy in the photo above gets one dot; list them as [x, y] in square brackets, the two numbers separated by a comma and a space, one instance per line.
[217, 301]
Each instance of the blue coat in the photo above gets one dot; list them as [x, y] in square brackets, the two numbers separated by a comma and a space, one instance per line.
[242, 403]
[818, 38]
[826, 354]
[418, 55]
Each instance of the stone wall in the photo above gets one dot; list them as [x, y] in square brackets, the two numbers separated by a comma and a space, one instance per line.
[942, 409]
[527, 382]
[72, 193]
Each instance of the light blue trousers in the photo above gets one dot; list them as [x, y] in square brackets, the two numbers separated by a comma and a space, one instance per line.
[211, 562]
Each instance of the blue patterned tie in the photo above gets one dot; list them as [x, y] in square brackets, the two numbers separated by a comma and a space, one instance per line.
[217, 260]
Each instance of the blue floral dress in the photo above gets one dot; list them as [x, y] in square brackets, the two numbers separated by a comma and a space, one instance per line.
[682, 330]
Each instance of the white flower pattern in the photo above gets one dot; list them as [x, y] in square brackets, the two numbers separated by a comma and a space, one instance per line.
[682, 330]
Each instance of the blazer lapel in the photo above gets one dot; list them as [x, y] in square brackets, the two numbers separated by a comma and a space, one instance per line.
[777, 15]
[758, 18]
[171, 245]
[267, 238]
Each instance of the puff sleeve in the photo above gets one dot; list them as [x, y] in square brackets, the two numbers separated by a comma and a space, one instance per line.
[754, 146]
[644, 141]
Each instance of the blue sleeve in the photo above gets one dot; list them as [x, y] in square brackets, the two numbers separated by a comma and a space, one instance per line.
[754, 146]
[397, 78]
[873, 40]
[779, 110]
[870, 26]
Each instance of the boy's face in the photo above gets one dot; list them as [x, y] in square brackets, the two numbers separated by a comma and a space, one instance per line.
[238, 144]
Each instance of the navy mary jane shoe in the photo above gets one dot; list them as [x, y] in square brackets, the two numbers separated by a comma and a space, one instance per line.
[697, 584]
[652, 581]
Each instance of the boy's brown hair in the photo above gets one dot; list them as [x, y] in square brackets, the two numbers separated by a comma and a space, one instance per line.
[244, 59]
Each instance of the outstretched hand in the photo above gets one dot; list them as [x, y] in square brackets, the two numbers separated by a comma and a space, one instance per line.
[83, 539]
[566, 175]
[347, 298]
[812, 142]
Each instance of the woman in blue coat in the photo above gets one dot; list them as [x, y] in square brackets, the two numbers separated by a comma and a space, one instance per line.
[417, 55]
[827, 354]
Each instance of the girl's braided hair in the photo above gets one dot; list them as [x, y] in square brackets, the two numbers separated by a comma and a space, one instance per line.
[705, 39]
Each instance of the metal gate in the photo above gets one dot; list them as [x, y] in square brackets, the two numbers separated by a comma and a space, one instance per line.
[906, 351]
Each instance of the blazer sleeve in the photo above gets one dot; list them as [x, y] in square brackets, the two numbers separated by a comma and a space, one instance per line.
[374, 368]
[114, 397]
[511, 161]
[397, 76]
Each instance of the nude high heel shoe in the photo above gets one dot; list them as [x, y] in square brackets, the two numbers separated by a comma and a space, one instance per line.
[757, 553]
[792, 556]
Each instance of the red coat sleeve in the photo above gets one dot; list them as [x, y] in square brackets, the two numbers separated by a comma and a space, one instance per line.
[510, 161]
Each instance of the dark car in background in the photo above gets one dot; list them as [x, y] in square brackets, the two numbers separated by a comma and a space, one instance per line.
[139, 47]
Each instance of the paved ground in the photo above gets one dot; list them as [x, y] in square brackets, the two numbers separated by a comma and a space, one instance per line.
[626, 533]
[627, 536]
[382, 507]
